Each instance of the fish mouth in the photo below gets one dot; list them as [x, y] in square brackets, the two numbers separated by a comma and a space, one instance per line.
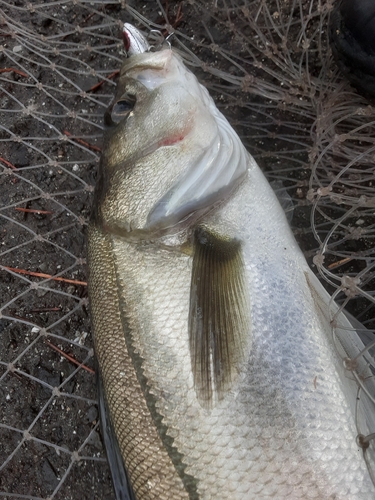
[152, 69]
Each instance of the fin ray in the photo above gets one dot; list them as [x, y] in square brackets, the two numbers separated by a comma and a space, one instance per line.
[219, 332]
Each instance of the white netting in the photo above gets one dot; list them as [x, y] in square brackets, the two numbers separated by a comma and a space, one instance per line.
[268, 65]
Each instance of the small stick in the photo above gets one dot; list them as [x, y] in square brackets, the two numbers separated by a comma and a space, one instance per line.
[14, 70]
[17, 375]
[16, 316]
[33, 211]
[177, 20]
[339, 263]
[68, 357]
[8, 164]
[88, 18]
[45, 309]
[84, 143]
[179, 16]
[96, 86]
[43, 275]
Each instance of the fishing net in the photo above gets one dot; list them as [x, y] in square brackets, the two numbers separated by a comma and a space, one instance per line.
[268, 65]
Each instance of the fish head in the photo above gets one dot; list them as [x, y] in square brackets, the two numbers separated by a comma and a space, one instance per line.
[168, 154]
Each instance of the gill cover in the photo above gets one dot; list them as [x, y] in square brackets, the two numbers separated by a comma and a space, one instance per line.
[216, 170]
[211, 178]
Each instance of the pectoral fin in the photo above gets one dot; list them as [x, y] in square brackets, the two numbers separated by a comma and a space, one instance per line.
[219, 328]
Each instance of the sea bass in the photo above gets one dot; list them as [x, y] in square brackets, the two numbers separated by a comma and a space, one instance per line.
[221, 374]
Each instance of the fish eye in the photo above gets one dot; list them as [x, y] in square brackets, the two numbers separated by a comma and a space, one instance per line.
[120, 109]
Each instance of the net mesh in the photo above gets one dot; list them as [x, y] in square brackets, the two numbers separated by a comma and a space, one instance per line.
[268, 65]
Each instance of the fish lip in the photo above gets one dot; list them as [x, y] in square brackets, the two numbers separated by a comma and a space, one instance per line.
[134, 40]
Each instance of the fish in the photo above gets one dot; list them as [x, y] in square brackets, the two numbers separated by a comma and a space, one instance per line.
[220, 353]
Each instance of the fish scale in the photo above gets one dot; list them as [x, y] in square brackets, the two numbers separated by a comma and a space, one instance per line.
[136, 434]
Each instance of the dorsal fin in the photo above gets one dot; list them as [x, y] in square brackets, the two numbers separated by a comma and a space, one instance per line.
[219, 328]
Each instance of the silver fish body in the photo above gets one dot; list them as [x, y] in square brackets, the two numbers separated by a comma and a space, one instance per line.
[212, 334]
